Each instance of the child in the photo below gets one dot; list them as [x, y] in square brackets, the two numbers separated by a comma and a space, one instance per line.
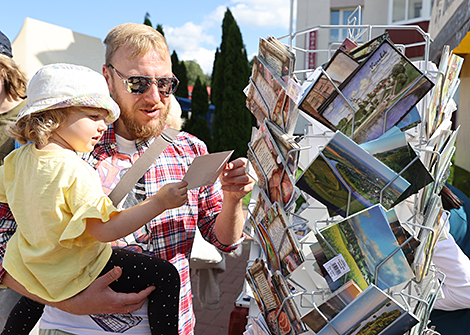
[63, 216]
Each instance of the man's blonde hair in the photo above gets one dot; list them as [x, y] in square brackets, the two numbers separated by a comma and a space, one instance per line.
[14, 79]
[139, 37]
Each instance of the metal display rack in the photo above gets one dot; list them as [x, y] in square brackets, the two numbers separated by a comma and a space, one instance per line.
[416, 296]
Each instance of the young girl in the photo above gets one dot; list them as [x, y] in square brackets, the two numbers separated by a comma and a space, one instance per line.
[64, 219]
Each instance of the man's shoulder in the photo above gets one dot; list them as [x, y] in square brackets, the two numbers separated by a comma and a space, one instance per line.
[190, 143]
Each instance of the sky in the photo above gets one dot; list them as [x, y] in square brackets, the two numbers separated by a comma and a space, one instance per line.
[192, 28]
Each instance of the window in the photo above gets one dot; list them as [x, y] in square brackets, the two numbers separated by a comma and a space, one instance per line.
[409, 10]
[349, 16]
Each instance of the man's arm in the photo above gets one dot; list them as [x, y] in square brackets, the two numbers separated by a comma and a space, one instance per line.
[86, 302]
[236, 184]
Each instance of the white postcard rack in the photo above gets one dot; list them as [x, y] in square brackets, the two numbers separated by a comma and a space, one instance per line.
[411, 293]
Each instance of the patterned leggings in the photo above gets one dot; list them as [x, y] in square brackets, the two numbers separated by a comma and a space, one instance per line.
[138, 272]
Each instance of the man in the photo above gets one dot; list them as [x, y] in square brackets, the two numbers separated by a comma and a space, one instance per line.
[138, 72]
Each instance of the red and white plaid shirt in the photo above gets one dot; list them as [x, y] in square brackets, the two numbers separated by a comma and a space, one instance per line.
[170, 235]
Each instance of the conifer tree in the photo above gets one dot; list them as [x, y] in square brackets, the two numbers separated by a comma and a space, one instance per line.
[232, 121]
[197, 125]
[179, 70]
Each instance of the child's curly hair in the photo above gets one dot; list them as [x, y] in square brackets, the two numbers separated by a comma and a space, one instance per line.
[38, 127]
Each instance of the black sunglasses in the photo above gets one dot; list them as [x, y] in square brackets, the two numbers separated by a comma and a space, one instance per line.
[141, 84]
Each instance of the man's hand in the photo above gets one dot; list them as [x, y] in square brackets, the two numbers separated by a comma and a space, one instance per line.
[236, 183]
[99, 298]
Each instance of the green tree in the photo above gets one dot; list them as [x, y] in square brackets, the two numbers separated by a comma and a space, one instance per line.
[179, 70]
[197, 124]
[147, 22]
[232, 121]
[194, 71]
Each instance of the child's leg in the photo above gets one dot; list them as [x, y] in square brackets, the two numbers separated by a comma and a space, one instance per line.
[140, 271]
[23, 317]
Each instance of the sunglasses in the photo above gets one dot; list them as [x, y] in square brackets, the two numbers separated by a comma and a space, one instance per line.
[141, 84]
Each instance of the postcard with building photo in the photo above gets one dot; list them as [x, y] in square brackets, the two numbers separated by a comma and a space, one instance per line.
[332, 306]
[347, 179]
[269, 165]
[394, 151]
[365, 240]
[383, 89]
[372, 312]
[338, 69]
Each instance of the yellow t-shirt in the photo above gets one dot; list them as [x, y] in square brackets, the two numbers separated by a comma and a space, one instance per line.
[51, 193]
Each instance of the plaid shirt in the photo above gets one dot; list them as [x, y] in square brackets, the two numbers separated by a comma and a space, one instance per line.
[170, 235]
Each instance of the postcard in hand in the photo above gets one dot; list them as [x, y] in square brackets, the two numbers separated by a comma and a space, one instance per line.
[382, 91]
[332, 306]
[365, 240]
[347, 179]
[372, 312]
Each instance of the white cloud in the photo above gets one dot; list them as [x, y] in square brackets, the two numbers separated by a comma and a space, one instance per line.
[262, 13]
[187, 37]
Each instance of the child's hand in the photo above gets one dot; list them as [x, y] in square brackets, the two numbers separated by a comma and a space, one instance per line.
[173, 195]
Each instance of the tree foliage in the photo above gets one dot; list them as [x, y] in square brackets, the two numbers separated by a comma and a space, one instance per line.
[231, 72]
[147, 22]
[197, 124]
[194, 71]
[179, 70]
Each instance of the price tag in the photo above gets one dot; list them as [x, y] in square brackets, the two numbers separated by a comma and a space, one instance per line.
[336, 267]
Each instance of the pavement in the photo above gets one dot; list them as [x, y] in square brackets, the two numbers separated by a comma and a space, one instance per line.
[216, 322]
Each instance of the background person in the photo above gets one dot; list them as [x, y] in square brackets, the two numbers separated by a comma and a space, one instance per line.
[12, 92]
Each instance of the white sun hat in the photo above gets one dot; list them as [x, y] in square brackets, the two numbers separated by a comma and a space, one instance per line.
[64, 85]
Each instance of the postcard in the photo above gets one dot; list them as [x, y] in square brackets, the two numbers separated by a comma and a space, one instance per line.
[434, 219]
[338, 69]
[266, 298]
[284, 292]
[342, 297]
[395, 152]
[372, 312]
[402, 235]
[319, 267]
[347, 179]
[286, 246]
[270, 168]
[281, 59]
[288, 147]
[205, 169]
[362, 51]
[380, 93]
[368, 245]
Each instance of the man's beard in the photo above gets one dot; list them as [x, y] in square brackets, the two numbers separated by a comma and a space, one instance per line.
[144, 132]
